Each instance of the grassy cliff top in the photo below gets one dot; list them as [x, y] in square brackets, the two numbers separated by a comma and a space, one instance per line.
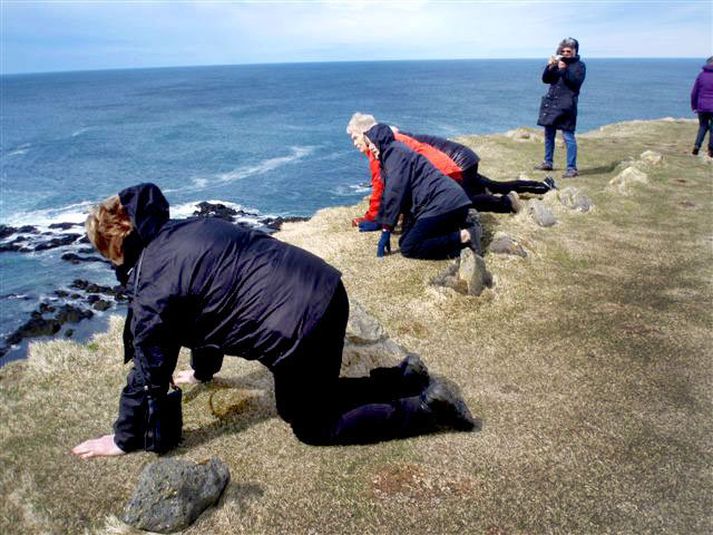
[589, 363]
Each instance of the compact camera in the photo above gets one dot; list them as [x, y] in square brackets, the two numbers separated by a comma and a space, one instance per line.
[558, 57]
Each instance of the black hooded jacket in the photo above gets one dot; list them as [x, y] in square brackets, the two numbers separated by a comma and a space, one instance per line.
[462, 156]
[412, 185]
[206, 283]
[559, 105]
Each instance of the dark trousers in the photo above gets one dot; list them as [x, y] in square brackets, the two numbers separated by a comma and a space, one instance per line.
[480, 188]
[705, 124]
[324, 408]
[434, 238]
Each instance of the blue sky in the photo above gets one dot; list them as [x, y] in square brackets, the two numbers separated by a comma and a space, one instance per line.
[85, 35]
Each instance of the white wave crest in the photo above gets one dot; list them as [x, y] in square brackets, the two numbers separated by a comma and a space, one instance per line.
[81, 131]
[72, 213]
[296, 154]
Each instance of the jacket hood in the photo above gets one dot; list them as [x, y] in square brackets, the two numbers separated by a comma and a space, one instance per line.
[708, 68]
[380, 135]
[147, 208]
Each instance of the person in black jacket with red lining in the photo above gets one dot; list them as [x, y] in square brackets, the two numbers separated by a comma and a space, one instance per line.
[212, 286]
[480, 188]
[565, 74]
[435, 208]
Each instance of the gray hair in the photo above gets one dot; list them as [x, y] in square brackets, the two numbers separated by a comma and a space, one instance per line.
[360, 123]
[709, 61]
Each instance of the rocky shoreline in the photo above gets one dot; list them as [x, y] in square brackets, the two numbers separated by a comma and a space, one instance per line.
[56, 314]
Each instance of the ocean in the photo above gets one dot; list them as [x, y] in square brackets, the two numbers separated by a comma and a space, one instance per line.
[267, 139]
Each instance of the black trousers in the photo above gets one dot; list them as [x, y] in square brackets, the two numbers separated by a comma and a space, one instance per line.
[324, 408]
[477, 187]
[434, 238]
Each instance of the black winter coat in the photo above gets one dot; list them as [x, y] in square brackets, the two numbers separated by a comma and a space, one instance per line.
[206, 283]
[412, 185]
[464, 157]
[559, 106]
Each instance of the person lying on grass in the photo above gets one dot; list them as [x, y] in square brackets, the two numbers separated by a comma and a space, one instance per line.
[217, 288]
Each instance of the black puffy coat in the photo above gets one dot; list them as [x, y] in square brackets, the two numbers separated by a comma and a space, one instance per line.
[464, 157]
[412, 185]
[205, 283]
[559, 106]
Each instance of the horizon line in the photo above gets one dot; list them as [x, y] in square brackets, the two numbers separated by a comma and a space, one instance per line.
[275, 63]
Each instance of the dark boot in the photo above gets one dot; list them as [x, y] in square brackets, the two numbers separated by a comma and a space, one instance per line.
[544, 166]
[445, 409]
[695, 151]
[407, 378]
[710, 152]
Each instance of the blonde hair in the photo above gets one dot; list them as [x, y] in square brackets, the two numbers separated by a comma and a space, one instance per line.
[360, 123]
[107, 226]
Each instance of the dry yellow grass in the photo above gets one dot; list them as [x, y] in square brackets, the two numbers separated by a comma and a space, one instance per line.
[589, 363]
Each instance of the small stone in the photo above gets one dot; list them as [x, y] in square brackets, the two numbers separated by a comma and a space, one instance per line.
[575, 199]
[504, 244]
[363, 328]
[172, 493]
[472, 270]
[624, 180]
[651, 157]
[101, 305]
[541, 214]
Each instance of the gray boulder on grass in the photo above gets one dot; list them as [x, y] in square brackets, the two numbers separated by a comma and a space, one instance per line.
[541, 214]
[172, 493]
[575, 199]
[504, 244]
[472, 270]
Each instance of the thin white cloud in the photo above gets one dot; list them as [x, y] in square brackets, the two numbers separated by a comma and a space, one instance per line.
[74, 35]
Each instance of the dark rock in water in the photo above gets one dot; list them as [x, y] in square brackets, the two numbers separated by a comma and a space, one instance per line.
[72, 314]
[83, 239]
[61, 293]
[206, 209]
[36, 326]
[44, 308]
[65, 226]
[17, 245]
[28, 229]
[102, 305]
[277, 222]
[67, 239]
[172, 493]
[69, 333]
[77, 259]
[87, 250]
[6, 231]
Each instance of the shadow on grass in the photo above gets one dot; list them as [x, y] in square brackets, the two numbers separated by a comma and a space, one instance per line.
[237, 417]
[602, 169]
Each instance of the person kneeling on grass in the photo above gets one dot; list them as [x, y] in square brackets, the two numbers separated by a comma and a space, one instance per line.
[435, 208]
[453, 160]
[214, 287]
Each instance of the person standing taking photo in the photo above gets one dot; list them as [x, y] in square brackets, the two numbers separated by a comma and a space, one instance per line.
[565, 73]
[702, 104]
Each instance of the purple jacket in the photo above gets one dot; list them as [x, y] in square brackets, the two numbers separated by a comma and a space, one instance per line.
[702, 92]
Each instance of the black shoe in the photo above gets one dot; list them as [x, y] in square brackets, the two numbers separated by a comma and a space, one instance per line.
[550, 182]
[414, 372]
[695, 151]
[710, 152]
[445, 408]
[408, 378]
[544, 166]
